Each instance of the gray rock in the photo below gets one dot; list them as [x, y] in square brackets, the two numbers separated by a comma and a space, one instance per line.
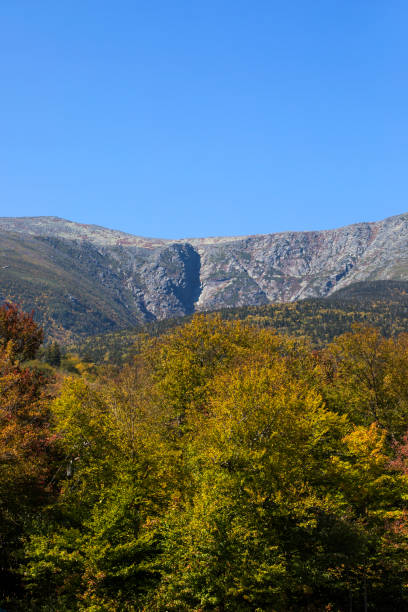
[155, 278]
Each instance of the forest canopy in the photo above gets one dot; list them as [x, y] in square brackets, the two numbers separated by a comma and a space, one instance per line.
[225, 467]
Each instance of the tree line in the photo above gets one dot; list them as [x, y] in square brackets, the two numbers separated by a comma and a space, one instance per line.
[382, 304]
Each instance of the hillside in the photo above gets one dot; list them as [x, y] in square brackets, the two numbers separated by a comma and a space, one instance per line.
[383, 304]
[51, 277]
[83, 279]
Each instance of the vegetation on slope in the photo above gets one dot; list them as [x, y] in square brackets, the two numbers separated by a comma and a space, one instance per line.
[38, 274]
[383, 304]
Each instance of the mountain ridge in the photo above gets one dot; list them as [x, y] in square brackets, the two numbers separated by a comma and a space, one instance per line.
[22, 225]
[70, 272]
[13, 223]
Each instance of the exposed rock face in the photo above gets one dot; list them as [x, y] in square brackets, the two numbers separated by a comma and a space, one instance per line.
[171, 281]
[153, 278]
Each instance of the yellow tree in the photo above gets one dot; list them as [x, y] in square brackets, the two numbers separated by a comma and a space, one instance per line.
[272, 517]
[367, 377]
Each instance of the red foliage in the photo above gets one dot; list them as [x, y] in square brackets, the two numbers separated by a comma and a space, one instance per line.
[27, 444]
[400, 461]
[20, 328]
[26, 441]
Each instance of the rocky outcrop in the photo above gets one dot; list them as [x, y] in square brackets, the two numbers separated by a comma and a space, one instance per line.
[146, 278]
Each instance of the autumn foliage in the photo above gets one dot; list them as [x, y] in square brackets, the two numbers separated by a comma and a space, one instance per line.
[26, 439]
[226, 468]
[20, 329]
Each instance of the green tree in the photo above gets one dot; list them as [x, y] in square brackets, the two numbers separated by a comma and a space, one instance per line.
[96, 550]
[52, 354]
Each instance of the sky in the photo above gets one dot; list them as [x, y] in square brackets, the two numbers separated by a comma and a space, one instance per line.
[207, 117]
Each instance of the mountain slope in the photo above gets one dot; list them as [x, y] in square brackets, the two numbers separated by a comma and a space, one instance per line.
[383, 304]
[50, 277]
[83, 279]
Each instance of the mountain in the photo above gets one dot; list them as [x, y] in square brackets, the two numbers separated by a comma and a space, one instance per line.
[82, 279]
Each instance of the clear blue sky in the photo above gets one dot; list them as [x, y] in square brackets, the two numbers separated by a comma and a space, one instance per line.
[175, 118]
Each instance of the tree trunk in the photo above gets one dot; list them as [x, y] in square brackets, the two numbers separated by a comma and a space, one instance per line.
[365, 595]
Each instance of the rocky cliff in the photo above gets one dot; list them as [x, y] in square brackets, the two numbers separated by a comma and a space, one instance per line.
[83, 278]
